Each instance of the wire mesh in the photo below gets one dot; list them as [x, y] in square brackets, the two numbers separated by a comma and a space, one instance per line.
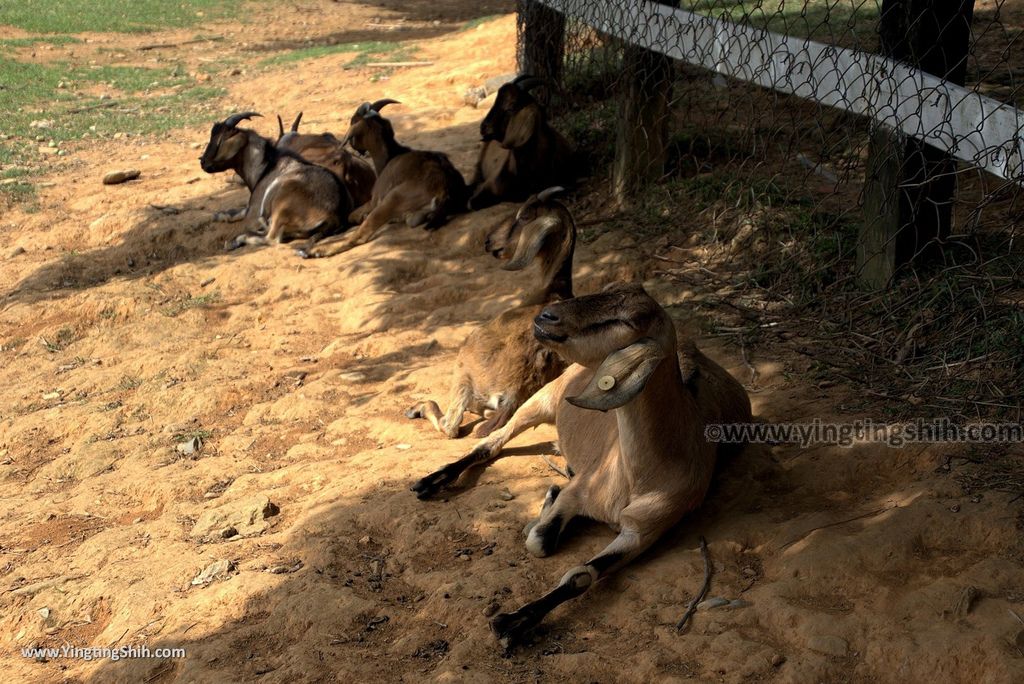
[828, 162]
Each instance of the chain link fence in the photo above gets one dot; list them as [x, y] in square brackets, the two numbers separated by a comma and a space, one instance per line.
[848, 167]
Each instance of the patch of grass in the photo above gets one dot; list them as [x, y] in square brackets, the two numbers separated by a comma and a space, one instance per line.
[832, 21]
[76, 16]
[473, 23]
[189, 302]
[129, 382]
[34, 40]
[58, 342]
[192, 433]
[365, 51]
[52, 93]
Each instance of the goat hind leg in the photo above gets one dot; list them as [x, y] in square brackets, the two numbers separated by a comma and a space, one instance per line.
[643, 522]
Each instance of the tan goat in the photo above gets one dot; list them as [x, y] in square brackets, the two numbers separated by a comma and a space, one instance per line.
[501, 364]
[630, 424]
[419, 187]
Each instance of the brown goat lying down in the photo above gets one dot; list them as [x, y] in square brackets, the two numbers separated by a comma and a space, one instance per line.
[289, 199]
[327, 151]
[501, 364]
[521, 152]
[419, 187]
[631, 425]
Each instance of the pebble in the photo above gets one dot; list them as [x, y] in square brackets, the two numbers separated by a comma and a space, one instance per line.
[464, 557]
[190, 447]
[403, 447]
[491, 608]
[778, 659]
[122, 176]
[18, 251]
[213, 571]
[506, 495]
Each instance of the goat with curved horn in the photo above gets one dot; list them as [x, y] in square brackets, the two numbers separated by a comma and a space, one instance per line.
[289, 198]
[501, 365]
[325, 150]
[418, 187]
[631, 412]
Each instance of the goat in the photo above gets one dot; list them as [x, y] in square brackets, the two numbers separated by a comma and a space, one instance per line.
[501, 364]
[521, 152]
[289, 197]
[326, 150]
[630, 419]
[420, 187]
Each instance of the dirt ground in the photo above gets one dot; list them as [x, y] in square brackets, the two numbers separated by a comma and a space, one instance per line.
[126, 330]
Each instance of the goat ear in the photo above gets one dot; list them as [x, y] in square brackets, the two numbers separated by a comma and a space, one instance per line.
[232, 146]
[620, 377]
[520, 128]
[531, 239]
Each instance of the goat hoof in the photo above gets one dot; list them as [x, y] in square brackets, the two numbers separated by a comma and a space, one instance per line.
[511, 628]
[431, 484]
[304, 253]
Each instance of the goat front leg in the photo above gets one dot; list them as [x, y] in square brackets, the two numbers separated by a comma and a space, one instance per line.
[642, 523]
[447, 424]
[538, 409]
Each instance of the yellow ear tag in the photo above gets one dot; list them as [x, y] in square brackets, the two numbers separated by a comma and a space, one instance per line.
[606, 382]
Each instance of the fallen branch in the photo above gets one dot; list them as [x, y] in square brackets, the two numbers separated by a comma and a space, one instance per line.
[838, 522]
[386, 65]
[692, 608]
[98, 105]
[554, 466]
[158, 46]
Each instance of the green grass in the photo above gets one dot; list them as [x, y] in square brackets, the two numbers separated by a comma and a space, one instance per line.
[51, 91]
[76, 16]
[832, 21]
[189, 302]
[34, 40]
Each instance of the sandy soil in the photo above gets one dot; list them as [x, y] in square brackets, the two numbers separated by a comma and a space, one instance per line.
[295, 374]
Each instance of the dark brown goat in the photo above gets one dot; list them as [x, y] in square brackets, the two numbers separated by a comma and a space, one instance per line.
[327, 151]
[521, 153]
[289, 198]
[501, 364]
[420, 187]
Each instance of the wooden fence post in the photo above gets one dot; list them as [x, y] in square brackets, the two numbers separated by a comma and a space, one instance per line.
[642, 127]
[910, 187]
[541, 43]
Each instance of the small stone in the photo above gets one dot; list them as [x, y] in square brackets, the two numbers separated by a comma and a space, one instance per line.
[464, 557]
[403, 447]
[18, 251]
[190, 447]
[487, 102]
[105, 96]
[749, 572]
[214, 571]
[229, 531]
[365, 540]
[491, 608]
[44, 613]
[196, 146]
[122, 176]
[829, 645]
[506, 495]
[778, 659]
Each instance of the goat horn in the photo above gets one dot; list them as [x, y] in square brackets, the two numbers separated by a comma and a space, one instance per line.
[545, 195]
[380, 104]
[531, 239]
[530, 82]
[236, 119]
[280, 127]
[295, 124]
